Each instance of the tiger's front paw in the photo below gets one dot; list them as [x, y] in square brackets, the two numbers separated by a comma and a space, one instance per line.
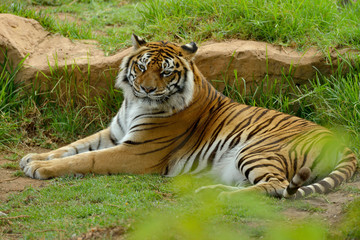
[27, 159]
[36, 169]
[49, 169]
[37, 157]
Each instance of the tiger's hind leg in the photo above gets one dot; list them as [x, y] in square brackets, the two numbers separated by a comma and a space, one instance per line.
[273, 187]
[217, 187]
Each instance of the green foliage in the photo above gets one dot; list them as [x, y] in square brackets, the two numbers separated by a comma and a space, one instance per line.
[18, 173]
[350, 226]
[334, 100]
[297, 231]
[203, 216]
[10, 99]
[299, 22]
[9, 88]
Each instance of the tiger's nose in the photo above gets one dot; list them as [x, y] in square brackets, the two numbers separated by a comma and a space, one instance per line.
[148, 89]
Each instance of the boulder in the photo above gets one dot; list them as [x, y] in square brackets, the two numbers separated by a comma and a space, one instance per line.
[252, 61]
[53, 55]
[50, 55]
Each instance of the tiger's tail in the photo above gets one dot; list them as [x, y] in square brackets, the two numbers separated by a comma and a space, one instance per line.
[342, 172]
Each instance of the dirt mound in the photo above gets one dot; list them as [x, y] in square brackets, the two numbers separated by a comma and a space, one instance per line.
[217, 61]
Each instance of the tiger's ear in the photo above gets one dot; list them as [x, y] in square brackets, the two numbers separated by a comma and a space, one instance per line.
[137, 41]
[189, 50]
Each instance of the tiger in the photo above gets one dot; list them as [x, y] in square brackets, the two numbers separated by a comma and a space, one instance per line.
[172, 121]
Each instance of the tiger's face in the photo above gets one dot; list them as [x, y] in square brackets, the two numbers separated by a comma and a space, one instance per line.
[158, 74]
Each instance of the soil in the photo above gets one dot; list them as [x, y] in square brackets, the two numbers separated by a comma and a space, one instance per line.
[328, 208]
[9, 183]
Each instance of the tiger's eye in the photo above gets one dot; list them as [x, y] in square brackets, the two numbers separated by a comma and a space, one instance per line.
[166, 73]
[141, 67]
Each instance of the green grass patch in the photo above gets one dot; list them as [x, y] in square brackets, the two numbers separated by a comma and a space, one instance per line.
[75, 205]
[350, 226]
[13, 166]
[11, 100]
[12, 157]
[146, 206]
[18, 173]
[10, 97]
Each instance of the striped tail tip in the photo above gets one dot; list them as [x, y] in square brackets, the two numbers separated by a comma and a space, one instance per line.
[343, 172]
[296, 182]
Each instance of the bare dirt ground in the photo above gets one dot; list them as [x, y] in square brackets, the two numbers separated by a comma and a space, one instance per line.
[328, 208]
[9, 183]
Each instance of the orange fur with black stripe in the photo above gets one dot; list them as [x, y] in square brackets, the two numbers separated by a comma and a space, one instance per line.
[172, 122]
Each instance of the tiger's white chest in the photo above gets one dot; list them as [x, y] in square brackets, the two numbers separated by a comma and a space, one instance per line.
[128, 116]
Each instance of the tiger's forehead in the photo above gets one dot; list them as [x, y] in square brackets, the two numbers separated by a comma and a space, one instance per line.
[159, 53]
[164, 47]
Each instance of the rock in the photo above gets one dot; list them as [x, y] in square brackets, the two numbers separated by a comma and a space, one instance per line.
[48, 54]
[253, 61]
[19, 36]
[54, 55]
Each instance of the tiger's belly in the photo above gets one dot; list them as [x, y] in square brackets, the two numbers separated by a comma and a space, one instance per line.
[225, 169]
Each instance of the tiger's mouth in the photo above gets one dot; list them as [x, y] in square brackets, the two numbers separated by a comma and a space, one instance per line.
[153, 97]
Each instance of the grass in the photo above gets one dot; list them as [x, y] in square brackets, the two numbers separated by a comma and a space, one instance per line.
[78, 204]
[10, 100]
[350, 226]
[9, 89]
[143, 205]
[13, 165]
[299, 23]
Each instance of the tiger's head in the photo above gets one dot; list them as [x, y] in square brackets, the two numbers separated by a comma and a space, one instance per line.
[158, 74]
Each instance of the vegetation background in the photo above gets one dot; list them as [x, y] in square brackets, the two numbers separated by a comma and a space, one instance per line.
[153, 207]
